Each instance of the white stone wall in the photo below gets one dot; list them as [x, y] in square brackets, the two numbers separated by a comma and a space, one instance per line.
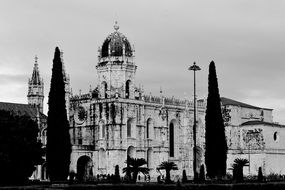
[115, 143]
[241, 115]
[262, 149]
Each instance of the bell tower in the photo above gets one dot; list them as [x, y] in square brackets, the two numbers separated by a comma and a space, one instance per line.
[36, 88]
[116, 67]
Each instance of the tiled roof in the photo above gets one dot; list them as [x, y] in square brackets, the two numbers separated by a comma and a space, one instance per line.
[258, 122]
[227, 101]
[19, 109]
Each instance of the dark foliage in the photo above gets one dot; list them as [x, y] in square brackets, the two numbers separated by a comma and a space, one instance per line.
[134, 167]
[117, 177]
[58, 139]
[260, 175]
[20, 150]
[202, 174]
[216, 145]
[184, 177]
[167, 166]
[237, 168]
[178, 185]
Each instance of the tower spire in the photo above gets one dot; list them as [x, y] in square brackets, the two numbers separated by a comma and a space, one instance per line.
[36, 88]
[36, 60]
[36, 74]
[116, 26]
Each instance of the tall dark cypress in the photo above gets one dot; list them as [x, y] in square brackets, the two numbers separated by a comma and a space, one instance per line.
[58, 138]
[216, 145]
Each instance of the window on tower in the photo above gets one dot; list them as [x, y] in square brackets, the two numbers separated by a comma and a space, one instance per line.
[104, 89]
[129, 127]
[128, 88]
[149, 129]
[171, 140]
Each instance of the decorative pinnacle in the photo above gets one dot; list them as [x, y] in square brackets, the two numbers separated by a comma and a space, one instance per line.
[36, 60]
[116, 26]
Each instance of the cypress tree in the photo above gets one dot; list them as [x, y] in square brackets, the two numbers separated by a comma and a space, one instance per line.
[58, 138]
[260, 175]
[216, 145]
[184, 176]
[117, 177]
[202, 174]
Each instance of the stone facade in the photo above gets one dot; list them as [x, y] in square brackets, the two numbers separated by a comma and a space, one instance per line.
[117, 119]
[252, 134]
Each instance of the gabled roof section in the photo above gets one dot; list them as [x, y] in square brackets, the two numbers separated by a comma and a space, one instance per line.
[228, 101]
[258, 122]
[19, 109]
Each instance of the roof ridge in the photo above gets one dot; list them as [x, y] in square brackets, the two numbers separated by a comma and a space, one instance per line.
[228, 101]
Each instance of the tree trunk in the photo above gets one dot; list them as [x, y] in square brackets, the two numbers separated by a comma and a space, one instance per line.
[135, 175]
[167, 179]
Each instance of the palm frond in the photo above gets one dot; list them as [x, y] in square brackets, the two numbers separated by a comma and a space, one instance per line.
[135, 162]
[134, 165]
[143, 170]
[167, 166]
[140, 162]
[241, 161]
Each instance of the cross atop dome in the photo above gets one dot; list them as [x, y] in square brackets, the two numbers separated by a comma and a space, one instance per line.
[116, 26]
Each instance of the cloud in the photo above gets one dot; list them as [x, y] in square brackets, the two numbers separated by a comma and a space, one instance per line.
[244, 38]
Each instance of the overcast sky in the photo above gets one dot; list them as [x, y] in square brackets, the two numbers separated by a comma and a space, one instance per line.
[246, 39]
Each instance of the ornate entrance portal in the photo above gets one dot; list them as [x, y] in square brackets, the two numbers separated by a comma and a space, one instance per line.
[84, 168]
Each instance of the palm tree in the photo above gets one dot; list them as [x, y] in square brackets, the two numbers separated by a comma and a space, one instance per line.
[134, 167]
[167, 166]
[237, 168]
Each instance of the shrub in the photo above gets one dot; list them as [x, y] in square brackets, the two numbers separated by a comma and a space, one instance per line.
[260, 175]
[274, 177]
[167, 166]
[20, 151]
[117, 177]
[202, 173]
[237, 168]
[184, 177]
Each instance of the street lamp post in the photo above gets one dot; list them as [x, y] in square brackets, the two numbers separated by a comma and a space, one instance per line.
[194, 68]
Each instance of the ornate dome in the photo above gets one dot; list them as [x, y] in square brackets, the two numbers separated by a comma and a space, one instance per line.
[116, 44]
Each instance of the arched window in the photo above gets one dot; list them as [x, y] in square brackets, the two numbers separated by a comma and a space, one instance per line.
[102, 158]
[149, 128]
[105, 89]
[149, 158]
[101, 129]
[129, 128]
[171, 140]
[131, 151]
[128, 88]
